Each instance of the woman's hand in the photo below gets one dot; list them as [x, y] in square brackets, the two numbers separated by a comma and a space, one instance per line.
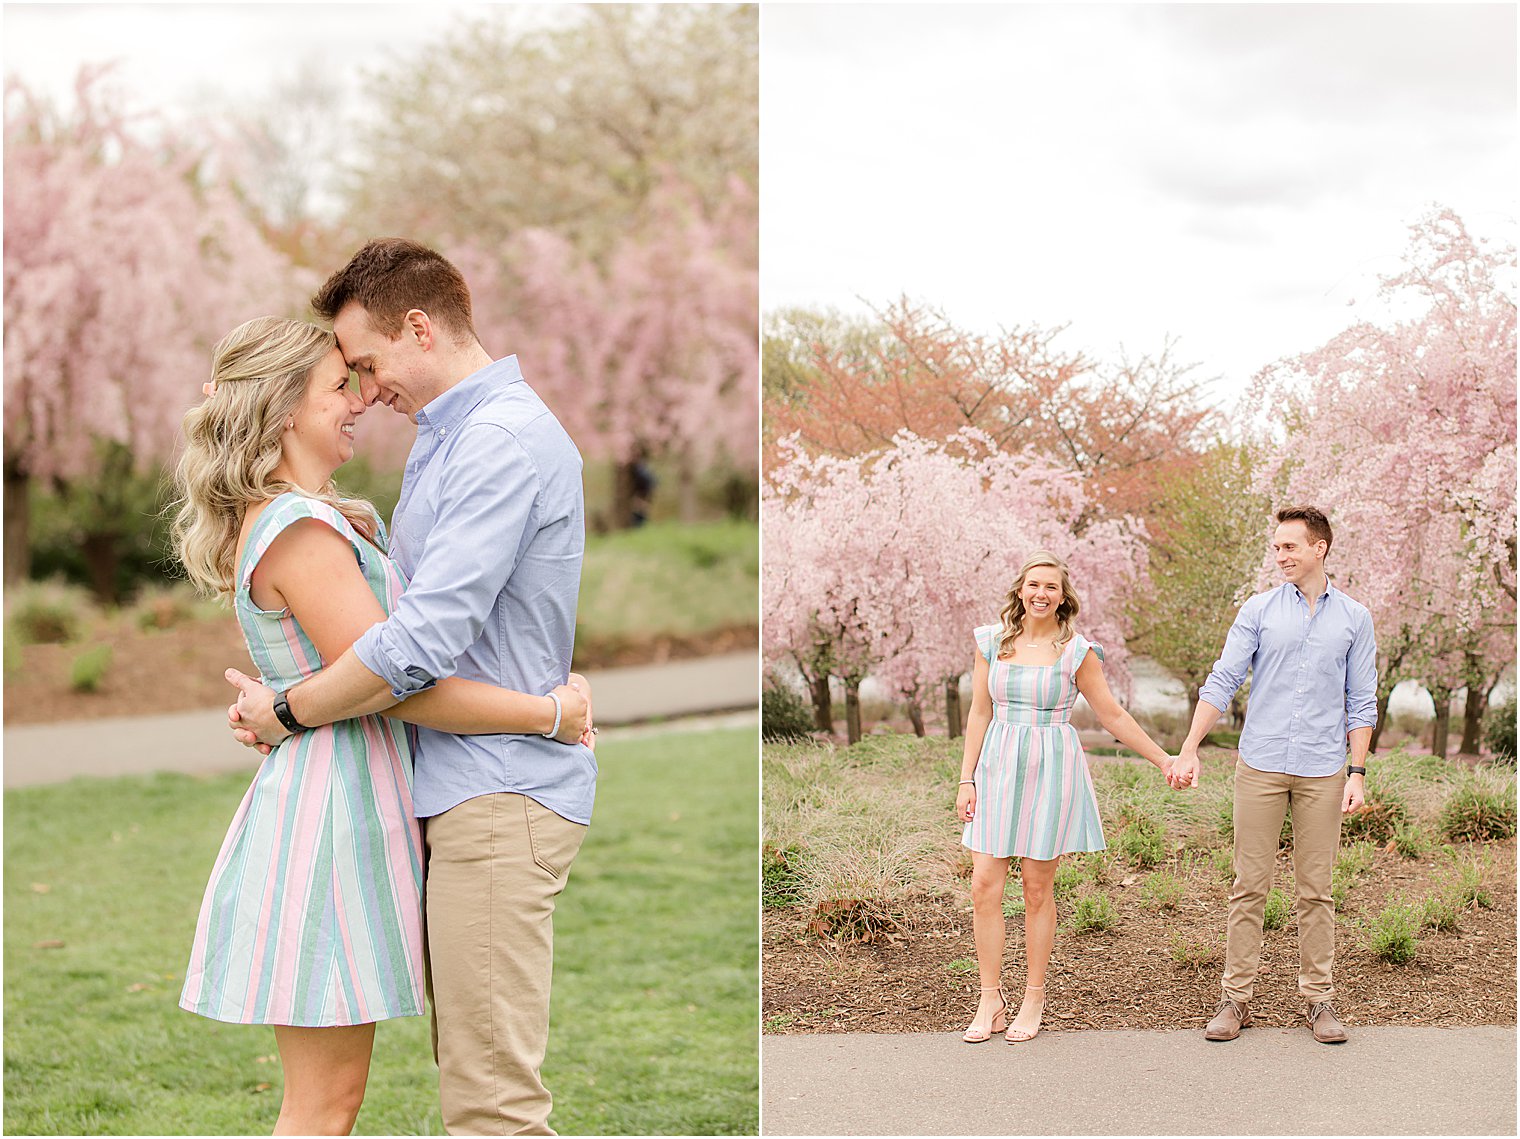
[583, 686]
[965, 802]
[575, 715]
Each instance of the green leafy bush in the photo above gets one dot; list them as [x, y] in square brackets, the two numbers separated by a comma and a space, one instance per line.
[1143, 842]
[1164, 890]
[1393, 934]
[1499, 732]
[1381, 813]
[1440, 911]
[1479, 809]
[1410, 840]
[1094, 911]
[90, 668]
[1070, 876]
[1278, 909]
[784, 716]
[1195, 952]
[47, 613]
[1465, 886]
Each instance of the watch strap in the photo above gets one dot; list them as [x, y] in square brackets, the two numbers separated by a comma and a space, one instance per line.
[1352, 769]
[286, 717]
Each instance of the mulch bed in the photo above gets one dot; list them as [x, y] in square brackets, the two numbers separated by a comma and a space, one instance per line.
[1125, 977]
[179, 669]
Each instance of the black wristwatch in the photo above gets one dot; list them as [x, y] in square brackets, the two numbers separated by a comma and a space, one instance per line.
[283, 714]
[1353, 770]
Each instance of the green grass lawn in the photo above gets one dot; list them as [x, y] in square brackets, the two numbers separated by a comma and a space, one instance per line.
[655, 1014]
[669, 578]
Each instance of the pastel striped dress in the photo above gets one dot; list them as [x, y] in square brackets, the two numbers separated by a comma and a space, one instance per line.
[1034, 796]
[313, 915]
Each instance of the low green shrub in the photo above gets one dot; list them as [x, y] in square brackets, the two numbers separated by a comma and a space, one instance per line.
[1094, 911]
[1499, 731]
[1278, 909]
[1356, 859]
[961, 965]
[1465, 885]
[1070, 876]
[1380, 816]
[1164, 890]
[1013, 907]
[1440, 911]
[90, 668]
[1479, 809]
[1195, 952]
[47, 613]
[1410, 840]
[1393, 935]
[778, 875]
[785, 717]
[1223, 860]
[1143, 843]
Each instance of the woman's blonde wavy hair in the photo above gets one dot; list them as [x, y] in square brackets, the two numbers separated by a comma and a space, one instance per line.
[232, 446]
[1013, 604]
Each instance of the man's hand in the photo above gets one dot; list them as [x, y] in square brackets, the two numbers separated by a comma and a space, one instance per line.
[252, 718]
[1354, 796]
[1185, 770]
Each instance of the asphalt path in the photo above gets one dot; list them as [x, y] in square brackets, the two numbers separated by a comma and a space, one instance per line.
[199, 743]
[1271, 1081]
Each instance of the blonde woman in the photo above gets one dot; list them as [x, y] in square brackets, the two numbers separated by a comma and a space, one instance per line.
[1025, 791]
[312, 920]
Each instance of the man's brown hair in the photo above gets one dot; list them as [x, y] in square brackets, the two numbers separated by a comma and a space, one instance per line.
[1312, 517]
[391, 276]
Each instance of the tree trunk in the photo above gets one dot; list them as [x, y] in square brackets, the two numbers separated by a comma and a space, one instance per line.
[852, 709]
[18, 522]
[1382, 720]
[1440, 732]
[102, 557]
[953, 718]
[686, 487]
[823, 703]
[916, 714]
[1476, 706]
[622, 496]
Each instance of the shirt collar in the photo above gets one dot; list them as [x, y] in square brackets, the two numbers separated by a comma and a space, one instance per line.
[461, 399]
[1329, 589]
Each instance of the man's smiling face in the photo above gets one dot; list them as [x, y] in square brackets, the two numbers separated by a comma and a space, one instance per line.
[391, 371]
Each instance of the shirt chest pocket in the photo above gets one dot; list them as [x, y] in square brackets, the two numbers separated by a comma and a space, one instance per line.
[412, 526]
[1332, 652]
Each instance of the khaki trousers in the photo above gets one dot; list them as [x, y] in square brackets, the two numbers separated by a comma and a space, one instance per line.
[1262, 798]
[495, 864]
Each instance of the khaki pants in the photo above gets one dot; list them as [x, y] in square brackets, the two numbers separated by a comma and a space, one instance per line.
[495, 864]
[1261, 800]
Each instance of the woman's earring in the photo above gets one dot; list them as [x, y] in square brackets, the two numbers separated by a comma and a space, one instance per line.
[290, 425]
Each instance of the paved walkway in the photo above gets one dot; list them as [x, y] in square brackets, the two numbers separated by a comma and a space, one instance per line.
[1272, 1081]
[199, 743]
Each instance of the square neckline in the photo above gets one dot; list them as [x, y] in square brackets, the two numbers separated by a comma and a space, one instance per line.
[1053, 664]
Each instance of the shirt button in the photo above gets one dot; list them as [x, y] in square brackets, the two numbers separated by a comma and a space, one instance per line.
[443, 433]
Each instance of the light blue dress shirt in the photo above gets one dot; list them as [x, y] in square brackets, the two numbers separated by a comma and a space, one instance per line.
[490, 531]
[1313, 679]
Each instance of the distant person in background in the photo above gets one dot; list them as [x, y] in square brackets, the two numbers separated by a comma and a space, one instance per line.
[1025, 790]
[312, 921]
[1313, 664]
[490, 532]
[644, 482]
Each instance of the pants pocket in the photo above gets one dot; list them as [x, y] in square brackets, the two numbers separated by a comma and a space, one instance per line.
[555, 840]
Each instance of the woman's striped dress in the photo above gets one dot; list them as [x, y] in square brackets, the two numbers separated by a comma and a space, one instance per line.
[1034, 797]
[313, 915]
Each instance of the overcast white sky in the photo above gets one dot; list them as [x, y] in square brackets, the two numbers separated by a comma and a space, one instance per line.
[1228, 174]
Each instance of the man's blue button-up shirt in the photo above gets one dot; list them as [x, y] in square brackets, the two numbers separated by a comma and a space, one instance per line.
[1313, 678]
[490, 531]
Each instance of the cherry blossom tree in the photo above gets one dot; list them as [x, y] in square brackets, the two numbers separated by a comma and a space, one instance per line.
[124, 262]
[1404, 431]
[652, 353]
[883, 564]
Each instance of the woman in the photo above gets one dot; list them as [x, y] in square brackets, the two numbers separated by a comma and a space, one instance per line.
[1025, 791]
[312, 921]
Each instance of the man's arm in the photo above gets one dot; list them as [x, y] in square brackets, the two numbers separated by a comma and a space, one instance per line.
[340, 691]
[1361, 709]
[1225, 679]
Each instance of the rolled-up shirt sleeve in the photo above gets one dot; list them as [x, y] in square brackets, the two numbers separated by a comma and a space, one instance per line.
[1361, 678]
[1229, 671]
[486, 506]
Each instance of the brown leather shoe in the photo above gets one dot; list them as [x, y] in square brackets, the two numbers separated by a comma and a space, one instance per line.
[1229, 1018]
[1325, 1024]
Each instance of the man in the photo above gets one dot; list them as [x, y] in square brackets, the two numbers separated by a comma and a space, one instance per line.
[490, 533]
[1314, 683]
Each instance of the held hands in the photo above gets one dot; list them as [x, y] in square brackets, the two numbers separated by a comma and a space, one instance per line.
[1354, 795]
[252, 717]
[1183, 771]
[965, 802]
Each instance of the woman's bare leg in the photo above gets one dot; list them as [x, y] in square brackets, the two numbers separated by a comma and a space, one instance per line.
[1039, 877]
[989, 878]
[325, 1073]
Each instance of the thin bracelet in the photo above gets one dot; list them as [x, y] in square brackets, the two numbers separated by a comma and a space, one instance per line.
[971, 781]
[559, 710]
